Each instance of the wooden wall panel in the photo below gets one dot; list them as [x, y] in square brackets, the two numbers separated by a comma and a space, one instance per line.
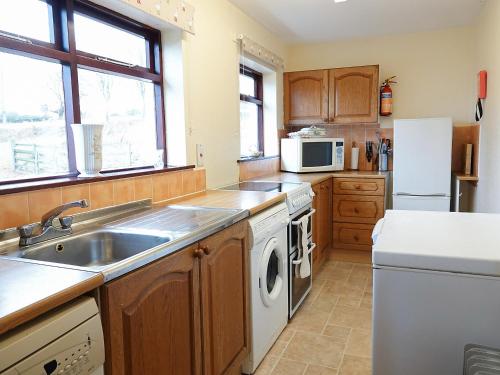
[463, 134]
[159, 187]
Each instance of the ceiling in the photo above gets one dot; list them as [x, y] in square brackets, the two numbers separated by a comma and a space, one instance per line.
[302, 21]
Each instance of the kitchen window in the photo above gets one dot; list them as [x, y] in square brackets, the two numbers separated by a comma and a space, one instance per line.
[251, 113]
[71, 61]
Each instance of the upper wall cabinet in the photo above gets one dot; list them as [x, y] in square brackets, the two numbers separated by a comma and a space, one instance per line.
[353, 95]
[306, 97]
[338, 96]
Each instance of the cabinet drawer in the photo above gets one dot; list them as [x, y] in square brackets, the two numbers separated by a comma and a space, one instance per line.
[352, 236]
[357, 209]
[371, 186]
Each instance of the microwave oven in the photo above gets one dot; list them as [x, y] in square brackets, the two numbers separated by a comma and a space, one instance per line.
[312, 154]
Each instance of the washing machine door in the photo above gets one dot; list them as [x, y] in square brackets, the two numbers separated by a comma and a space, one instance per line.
[271, 276]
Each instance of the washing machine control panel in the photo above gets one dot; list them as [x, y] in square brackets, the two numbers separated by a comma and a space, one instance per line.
[265, 224]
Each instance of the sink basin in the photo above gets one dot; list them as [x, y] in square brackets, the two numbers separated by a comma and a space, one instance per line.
[94, 249]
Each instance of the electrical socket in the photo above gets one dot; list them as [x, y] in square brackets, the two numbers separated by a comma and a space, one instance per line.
[200, 155]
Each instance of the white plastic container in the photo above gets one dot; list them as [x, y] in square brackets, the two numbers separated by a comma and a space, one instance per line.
[88, 148]
[354, 158]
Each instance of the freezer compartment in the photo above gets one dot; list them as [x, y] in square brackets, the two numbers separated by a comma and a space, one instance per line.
[422, 155]
[422, 320]
[421, 203]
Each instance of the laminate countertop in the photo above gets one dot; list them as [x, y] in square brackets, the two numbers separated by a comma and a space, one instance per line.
[253, 201]
[28, 290]
[316, 178]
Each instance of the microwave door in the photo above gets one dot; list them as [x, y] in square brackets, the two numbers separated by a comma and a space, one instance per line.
[317, 154]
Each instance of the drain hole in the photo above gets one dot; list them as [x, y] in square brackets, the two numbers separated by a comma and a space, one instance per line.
[59, 247]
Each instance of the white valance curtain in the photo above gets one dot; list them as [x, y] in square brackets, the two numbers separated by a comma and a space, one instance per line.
[157, 13]
[254, 50]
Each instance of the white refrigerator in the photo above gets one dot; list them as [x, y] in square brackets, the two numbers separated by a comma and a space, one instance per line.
[422, 164]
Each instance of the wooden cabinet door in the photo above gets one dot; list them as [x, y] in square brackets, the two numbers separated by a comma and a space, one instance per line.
[315, 224]
[306, 97]
[151, 318]
[326, 216]
[225, 300]
[354, 95]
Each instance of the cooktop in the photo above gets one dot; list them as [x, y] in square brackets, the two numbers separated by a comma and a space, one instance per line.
[278, 187]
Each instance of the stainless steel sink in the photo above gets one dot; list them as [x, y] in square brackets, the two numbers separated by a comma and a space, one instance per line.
[117, 240]
[94, 249]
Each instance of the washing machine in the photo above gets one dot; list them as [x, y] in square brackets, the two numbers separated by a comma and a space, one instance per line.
[269, 281]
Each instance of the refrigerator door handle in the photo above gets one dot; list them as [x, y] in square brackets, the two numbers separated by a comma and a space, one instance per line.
[402, 194]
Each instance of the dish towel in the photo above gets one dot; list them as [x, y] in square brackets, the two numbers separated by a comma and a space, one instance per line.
[305, 265]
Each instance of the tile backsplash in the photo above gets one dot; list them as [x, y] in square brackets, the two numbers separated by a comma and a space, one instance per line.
[28, 207]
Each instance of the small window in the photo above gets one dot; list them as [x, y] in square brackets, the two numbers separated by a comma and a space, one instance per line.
[251, 113]
[27, 18]
[98, 38]
[32, 118]
[127, 108]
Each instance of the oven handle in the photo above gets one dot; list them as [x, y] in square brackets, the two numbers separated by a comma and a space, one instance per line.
[309, 251]
[297, 222]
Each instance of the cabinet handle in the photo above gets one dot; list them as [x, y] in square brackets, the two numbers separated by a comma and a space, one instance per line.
[205, 250]
[199, 253]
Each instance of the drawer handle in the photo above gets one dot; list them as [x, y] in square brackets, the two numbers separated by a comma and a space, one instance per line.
[356, 238]
[357, 187]
[356, 211]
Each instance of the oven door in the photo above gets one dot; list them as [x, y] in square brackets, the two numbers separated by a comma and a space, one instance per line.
[294, 230]
[299, 287]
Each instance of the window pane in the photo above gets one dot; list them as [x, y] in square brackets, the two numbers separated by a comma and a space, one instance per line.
[249, 128]
[32, 123]
[29, 18]
[247, 85]
[101, 39]
[126, 107]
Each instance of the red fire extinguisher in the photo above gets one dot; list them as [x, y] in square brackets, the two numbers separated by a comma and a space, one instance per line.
[386, 97]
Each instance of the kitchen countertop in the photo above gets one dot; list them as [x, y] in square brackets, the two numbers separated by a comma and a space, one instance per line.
[28, 290]
[315, 178]
[253, 201]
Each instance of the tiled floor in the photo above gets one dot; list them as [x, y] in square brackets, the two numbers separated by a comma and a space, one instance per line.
[331, 333]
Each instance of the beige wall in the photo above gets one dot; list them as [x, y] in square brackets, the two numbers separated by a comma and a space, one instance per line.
[487, 195]
[436, 70]
[211, 84]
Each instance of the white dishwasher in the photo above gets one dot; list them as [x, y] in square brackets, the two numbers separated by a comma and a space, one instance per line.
[68, 340]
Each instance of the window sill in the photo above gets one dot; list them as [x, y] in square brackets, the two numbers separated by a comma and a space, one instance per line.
[244, 160]
[18, 187]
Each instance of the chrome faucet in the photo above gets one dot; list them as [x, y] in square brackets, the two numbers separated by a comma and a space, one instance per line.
[34, 233]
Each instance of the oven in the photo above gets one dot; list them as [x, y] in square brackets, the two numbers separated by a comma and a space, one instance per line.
[299, 287]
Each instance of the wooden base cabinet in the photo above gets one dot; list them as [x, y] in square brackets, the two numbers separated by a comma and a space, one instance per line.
[225, 301]
[184, 314]
[358, 204]
[322, 222]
